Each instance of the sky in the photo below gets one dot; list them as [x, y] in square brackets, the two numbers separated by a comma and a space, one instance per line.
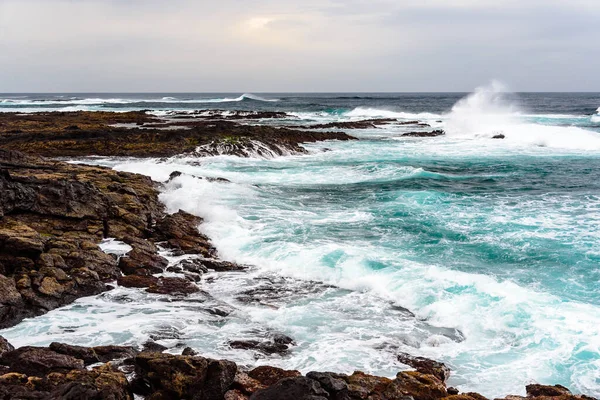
[298, 45]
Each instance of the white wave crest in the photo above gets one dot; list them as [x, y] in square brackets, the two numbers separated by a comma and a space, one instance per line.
[362, 112]
[108, 101]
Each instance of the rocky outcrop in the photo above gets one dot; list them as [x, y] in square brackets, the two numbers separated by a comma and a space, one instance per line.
[53, 216]
[436, 132]
[141, 135]
[59, 372]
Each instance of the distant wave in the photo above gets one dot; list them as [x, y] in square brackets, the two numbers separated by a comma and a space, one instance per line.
[378, 113]
[101, 101]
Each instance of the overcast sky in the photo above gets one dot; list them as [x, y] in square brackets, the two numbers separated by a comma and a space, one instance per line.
[298, 45]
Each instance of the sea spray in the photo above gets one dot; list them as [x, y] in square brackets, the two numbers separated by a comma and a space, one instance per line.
[491, 111]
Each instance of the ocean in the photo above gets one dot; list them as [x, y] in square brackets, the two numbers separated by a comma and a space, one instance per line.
[492, 244]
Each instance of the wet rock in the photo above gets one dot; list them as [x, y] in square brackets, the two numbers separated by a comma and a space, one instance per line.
[277, 344]
[417, 385]
[5, 346]
[151, 346]
[499, 136]
[173, 286]
[137, 281]
[221, 266]
[329, 381]
[38, 361]
[426, 366]
[298, 388]
[361, 385]
[180, 232]
[436, 132]
[97, 384]
[536, 390]
[185, 376]
[268, 376]
[188, 351]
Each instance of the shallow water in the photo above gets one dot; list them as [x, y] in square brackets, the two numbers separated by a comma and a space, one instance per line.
[494, 245]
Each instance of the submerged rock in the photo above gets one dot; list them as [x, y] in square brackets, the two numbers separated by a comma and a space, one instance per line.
[174, 286]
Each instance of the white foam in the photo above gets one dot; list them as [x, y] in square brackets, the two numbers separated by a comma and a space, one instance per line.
[114, 246]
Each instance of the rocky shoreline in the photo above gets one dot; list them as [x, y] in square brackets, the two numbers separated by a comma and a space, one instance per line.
[62, 371]
[54, 217]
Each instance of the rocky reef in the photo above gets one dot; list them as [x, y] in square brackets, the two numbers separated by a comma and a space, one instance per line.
[139, 134]
[62, 371]
[53, 216]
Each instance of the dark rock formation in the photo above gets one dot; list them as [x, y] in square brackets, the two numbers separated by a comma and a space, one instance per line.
[58, 373]
[173, 286]
[426, 366]
[363, 124]
[99, 133]
[437, 132]
[499, 136]
[53, 216]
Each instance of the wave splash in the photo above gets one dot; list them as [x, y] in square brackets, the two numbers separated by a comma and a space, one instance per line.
[596, 117]
[489, 111]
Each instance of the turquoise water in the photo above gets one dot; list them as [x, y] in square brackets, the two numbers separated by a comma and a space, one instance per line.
[494, 245]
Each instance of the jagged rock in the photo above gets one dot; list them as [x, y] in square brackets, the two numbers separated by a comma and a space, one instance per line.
[277, 344]
[5, 346]
[180, 232]
[426, 366]
[39, 361]
[417, 385]
[179, 286]
[361, 385]
[329, 381]
[268, 376]
[185, 376]
[536, 390]
[92, 355]
[151, 346]
[221, 266]
[97, 384]
[137, 281]
[298, 388]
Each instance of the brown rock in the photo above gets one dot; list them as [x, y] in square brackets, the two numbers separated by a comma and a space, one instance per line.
[268, 376]
[137, 281]
[51, 287]
[419, 386]
[426, 366]
[38, 361]
[174, 286]
[5, 346]
[536, 390]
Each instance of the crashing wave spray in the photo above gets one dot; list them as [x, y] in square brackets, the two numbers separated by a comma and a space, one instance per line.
[485, 112]
[491, 110]
[596, 117]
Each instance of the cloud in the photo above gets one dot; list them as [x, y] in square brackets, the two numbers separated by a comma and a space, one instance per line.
[324, 45]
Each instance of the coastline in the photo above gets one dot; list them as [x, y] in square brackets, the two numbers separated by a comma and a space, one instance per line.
[139, 233]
